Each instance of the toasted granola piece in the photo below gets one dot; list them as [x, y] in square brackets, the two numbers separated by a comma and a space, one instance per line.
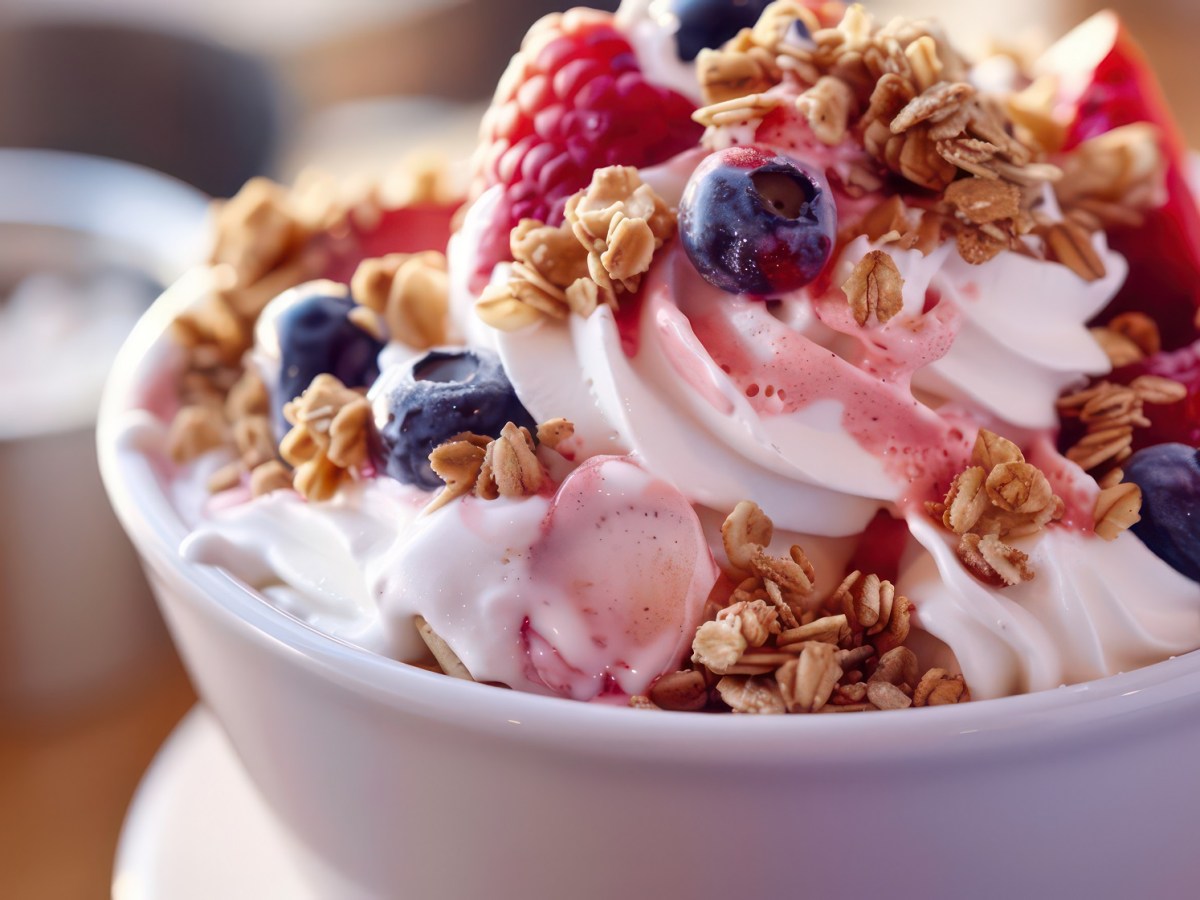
[827, 106]
[1071, 245]
[729, 74]
[195, 430]
[1000, 495]
[446, 657]
[939, 688]
[756, 619]
[686, 690]
[883, 695]
[826, 629]
[612, 231]
[1138, 328]
[966, 501]
[875, 288]
[1111, 413]
[269, 477]
[719, 645]
[992, 561]
[899, 623]
[751, 695]
[898, 666]
[806, 682]
[409, 292]
[553, 432]
[458, 463]
[1117, 508]
[510, 466]
[744, 529]
[332, 430]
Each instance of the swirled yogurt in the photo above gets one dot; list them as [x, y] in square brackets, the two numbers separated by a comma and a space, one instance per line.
[687, 399]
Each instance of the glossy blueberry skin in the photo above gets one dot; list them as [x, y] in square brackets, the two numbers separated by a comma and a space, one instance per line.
[710, 23]
[1169, 476]
[738, 241]
[443, 393]
[316, 336]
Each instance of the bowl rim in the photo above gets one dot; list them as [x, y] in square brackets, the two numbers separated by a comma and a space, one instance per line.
[145, 220]
[164, 217]
[1044, 718]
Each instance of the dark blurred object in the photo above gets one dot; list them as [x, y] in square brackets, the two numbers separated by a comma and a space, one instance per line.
[86, 243]
[202, 112]
[455, 53]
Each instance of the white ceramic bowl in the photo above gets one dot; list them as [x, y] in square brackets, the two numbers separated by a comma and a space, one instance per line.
[402, 783]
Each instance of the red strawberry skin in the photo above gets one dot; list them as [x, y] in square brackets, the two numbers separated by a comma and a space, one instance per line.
[1164, 253]
[408, 229]
[572, 100]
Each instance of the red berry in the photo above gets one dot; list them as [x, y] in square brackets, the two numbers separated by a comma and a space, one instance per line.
[1175, 422]
[572, 100]
[1114, 85]
[409, 229]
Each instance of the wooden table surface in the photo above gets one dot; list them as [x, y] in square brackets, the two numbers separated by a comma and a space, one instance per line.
[65, 783]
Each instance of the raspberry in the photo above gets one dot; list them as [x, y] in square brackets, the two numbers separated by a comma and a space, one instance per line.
[1169, 423]
[1175, 422]
[571, 101]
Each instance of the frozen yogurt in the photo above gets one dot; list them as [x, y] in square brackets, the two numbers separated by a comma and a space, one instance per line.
[779, 361]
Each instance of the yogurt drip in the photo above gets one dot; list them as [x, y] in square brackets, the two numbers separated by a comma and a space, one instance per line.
[597, 588]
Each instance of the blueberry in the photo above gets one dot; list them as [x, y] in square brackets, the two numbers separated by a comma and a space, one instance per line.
[443, 393]
[755, 222]
[710, 23]
[306, 332]
[1169, 476]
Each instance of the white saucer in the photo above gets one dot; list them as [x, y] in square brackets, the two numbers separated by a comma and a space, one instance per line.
[197, 828]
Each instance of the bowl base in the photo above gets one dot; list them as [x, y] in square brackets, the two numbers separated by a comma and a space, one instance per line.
[197, 828]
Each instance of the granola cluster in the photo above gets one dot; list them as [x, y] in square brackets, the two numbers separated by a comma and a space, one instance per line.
[901, 88]
[988, 214]
[506, 466]
[263, 246]
[241, 420]
[998, 496]
[972, 167]
[268, 239]
[893, 221]
[404, 296]
[1111, 179]
[602, 250]
[265, 243]
[1128, 338]
[772, 647]
[331, 436]
[1109, 413]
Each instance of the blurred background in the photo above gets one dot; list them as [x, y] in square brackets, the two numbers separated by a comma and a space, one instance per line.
[182, 101]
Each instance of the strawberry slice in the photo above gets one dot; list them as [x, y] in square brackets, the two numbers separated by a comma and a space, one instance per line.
[1105, 81]
[409, 229]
